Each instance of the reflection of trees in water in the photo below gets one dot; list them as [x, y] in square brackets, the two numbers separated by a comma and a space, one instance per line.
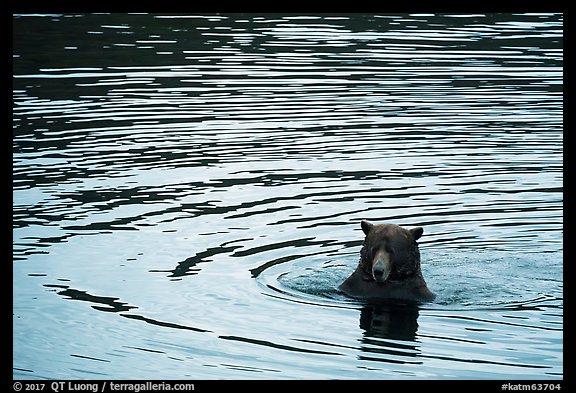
[389, 333]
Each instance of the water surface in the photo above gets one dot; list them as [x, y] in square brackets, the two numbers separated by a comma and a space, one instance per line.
[188, 191]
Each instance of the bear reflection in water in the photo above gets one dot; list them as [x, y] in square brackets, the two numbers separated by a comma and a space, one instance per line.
[395, 322]
[389, 266]
[389, 332]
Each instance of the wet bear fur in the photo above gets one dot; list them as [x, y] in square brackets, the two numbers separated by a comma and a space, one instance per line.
[389, 266]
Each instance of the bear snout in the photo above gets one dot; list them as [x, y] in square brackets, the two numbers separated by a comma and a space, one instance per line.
[381, 267]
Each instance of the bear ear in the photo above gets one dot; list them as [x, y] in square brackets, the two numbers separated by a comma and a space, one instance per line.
[366, 226]
[417, 232]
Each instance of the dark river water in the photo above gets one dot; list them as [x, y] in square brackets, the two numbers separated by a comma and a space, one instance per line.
[188, 191]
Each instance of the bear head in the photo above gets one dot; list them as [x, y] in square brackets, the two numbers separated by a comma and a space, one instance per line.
[390, 252]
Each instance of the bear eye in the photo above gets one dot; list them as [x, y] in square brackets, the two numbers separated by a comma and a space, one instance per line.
[389, 250]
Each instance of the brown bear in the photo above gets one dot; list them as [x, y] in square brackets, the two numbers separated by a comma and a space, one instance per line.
[389, 266]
